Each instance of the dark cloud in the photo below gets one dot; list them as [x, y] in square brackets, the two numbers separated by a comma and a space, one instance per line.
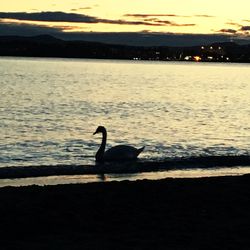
[79, 18]
[242, 32]
[245, 28]
[124, 22]
[49, 16]
[242, 29]
[230, 31]
[163, 22]
[169, 23]
[154, 20]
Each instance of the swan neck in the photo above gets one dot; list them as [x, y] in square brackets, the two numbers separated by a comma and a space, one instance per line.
[104, 140]
[100, 153]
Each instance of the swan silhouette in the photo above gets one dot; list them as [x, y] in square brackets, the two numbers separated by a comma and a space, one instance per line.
[117, 153]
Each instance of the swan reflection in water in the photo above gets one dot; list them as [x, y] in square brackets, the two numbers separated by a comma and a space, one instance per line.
[116, 153]
[102, 177]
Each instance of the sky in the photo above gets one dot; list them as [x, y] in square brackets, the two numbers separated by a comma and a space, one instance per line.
[134, 22]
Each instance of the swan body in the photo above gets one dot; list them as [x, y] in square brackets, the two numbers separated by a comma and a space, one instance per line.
[117, 153]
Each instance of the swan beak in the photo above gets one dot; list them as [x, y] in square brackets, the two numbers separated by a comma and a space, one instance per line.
[94, 133]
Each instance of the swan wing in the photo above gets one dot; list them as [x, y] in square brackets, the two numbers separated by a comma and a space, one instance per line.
[122, 152]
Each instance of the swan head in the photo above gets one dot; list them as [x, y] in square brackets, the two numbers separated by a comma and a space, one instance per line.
[100, 129]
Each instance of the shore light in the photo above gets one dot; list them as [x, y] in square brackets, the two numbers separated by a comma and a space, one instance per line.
[197, 58]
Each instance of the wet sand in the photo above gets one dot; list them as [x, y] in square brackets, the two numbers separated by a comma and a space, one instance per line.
[205, 213]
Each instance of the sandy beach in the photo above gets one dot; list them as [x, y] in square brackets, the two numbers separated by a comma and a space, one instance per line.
[205, 213]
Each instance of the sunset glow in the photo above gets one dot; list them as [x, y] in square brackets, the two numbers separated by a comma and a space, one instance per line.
[229, 19]
[183, 16]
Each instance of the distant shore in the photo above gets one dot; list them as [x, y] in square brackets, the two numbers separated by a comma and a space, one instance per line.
[49, 46]
[205, 213]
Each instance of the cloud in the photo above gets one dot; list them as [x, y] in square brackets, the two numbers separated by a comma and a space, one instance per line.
[149, 22]
[245, 28]
[124, 22]
[206, 16]
[230, 31]
[49, 16]
[154, 20]
[82, 8]
[144, 38]
[152, 15]
[163, 15]
[80, 18]
[169, 23]
[234, 24]
[242, 29]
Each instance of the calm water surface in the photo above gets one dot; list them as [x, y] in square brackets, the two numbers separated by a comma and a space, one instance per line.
[49, 109]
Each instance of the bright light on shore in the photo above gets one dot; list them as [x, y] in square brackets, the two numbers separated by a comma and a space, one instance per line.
[197, 58]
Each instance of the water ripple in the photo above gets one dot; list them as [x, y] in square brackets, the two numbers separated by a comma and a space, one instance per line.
[48, 114]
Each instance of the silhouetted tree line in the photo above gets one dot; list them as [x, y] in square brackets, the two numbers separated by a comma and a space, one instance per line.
[48, 46]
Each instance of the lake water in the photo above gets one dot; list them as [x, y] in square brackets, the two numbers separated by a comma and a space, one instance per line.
[49, 109]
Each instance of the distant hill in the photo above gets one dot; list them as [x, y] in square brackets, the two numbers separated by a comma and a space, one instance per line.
[49, 46]
[40, 38]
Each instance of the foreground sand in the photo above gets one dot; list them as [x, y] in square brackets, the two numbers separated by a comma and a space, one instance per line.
[207, 213]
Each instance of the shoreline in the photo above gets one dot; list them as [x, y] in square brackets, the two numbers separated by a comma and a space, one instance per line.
[201, 162]
[131, 177]
[122, 59]
[203, 213]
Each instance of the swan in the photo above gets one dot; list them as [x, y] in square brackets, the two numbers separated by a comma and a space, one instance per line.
[117, 153]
